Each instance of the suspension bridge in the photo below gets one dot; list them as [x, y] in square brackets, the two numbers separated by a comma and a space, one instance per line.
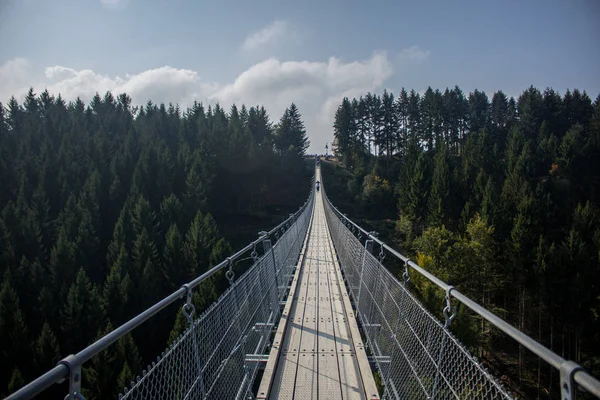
[316, 316]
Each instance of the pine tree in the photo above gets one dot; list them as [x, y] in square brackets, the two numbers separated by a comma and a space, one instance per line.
[407, 169]
[428, 110]
[47, 352]
[440, 187]
[414, 115]
[81, 315]
[16, 381]
[12, 331]
[101, 372]
[199, 240]
[418, 191]
[220, 250]
[389, 122]
[479, 111]
[128, 351]
[195, 195]
[173, 262]
[123, 233]
[7, 249]
[144, 254]
[125, 377]
[344, 130]
[530, 105]
[402, 104]
[171, 212]
[290, 135]
[259, 124]
[116, 291]
[488, 203]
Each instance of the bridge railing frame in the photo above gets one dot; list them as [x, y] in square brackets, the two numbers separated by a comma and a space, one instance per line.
[571, 373]
[70, 367]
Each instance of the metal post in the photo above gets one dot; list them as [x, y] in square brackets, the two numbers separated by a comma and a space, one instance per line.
[188, 311]
[379, 266]
[369, 249]
[449, 314]
[567, 381]
[74, 378]
[268, 247]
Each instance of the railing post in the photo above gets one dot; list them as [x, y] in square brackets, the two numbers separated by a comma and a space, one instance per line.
[368, 249]
[188, 311]
[567, 381]
[339, 234]
[74, 378]
[267, 247]
[449, 312]
[374, 291]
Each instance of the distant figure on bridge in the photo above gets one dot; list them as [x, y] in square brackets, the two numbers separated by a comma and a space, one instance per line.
[318, 185]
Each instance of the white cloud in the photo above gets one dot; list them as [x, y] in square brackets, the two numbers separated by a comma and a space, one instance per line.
[14, 76]
[164, 84]
[270, 34]
[413, 53]
[316, 87]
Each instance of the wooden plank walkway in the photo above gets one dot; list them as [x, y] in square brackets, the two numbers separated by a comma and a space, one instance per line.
[317, 351]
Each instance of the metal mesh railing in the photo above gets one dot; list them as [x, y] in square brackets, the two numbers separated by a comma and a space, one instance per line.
[416, 355]
[209, 359]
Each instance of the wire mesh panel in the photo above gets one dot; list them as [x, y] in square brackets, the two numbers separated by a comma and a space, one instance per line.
[209, 359]
[417, 357]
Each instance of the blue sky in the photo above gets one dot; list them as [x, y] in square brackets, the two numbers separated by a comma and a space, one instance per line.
[273, 52]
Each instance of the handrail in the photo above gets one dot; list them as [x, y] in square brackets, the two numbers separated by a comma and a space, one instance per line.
[569, 371]
[68, 365]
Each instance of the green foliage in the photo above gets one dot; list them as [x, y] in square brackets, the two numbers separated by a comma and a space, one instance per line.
[47, 351]
[418, 191]
[97, 218]
[498, 198]
[116, 291]
[173, 264]
[125, 377]
[290, 135]
[13, 335]
[16, 381]
[376, 192]
[80, 316]
[440, 187]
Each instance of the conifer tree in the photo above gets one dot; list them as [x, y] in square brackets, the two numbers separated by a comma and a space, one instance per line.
[13, 334]
[290, 134]
[47, 351]
[440, 187]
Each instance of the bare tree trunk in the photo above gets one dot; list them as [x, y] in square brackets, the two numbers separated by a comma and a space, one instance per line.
[539, 378]
[520, 323]
[552, 349]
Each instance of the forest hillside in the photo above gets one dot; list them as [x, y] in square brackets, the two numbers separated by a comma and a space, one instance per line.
[106, 208]
[499, 197]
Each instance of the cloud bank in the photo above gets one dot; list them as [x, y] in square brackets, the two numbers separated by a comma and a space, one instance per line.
[317, 87]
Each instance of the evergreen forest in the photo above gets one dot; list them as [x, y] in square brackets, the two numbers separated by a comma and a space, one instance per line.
[108, 207]
[499, 197]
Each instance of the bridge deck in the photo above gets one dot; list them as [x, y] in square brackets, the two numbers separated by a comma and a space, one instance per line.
[317, 351]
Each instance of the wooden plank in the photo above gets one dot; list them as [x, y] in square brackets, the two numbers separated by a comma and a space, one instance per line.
[366, 375]
[270, 368]
[285, 377]
[308, 340]
[349, 377]
[306, 377]
[321, 354]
